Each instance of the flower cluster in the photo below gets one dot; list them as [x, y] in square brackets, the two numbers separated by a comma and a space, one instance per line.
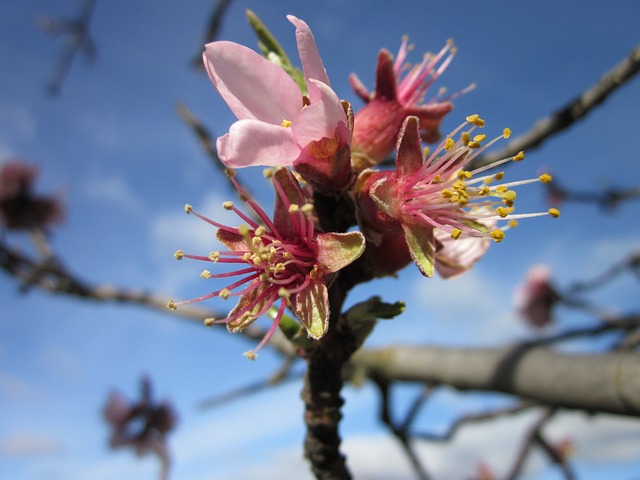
[437, 209]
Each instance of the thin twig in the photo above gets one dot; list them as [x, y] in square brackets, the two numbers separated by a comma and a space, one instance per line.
[79, 39]
[213, 28]
[569, 114]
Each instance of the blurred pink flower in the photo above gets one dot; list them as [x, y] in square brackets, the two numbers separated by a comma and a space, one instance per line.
[535, 298]
[276, 123]
[284, 259]
[142, 426]
[20, 208]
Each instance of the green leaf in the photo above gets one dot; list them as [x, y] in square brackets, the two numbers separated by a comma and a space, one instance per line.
[273, 52]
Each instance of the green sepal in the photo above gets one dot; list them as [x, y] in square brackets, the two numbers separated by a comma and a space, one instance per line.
[362, 317]
[292, 329]
[337, 250]
[421, 243]
[273, 52]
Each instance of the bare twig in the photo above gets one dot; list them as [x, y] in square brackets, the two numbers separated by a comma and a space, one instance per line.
[213, 28]
[78, 40]
[631, 263]
[282, 376]
[474, 418]
[401, 433]
[569, 114]
[606, 199]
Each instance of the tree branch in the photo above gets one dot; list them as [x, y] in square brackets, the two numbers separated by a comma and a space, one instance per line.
[569, 114]
[608, 383]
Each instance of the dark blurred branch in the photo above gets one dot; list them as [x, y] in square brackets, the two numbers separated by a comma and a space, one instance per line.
[78, 40]
[50, 275]
[401, 431]
[282, 376]
[213, 28]
[606, 199]
[566, 116]
[631, 263]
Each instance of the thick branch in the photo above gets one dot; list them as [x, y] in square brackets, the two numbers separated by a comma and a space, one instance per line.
[607, 383]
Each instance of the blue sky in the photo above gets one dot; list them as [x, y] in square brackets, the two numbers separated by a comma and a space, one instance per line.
[113, 144]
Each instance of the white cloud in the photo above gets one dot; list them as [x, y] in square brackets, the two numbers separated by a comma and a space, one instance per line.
[116, 191]
[23, 444]
[12, 386]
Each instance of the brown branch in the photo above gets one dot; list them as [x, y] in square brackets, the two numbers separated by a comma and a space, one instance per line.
[50, 275]
[569, 114]
[211, 33]
[608, 383]
[606, 199]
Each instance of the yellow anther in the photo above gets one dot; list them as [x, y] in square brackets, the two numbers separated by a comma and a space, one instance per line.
[484, 190]
[256, 241]
[497, 235]
[513, 223]
[267, 172]
[251, 355]
[209, 322]
[506, 133]
[171, 305]
[307, 208]
[246, 256]
[554, 212]
[462, 174]
[510, 196]
[446, 193]
[448, 144]
[437, 179]
[178, 254]
[502, 189]
[230, 172]
[473, 145]
[489, 180]
[426, 151]
[285, 123]
[480, 138]
[475, 120]
[224, 293]
[243, 196]
[545, 178]
[188, 208]
[294, 208]
[205, 274]
[519, 156]
[455, 233]
[465, 137]
[283, 293]
[314, 272]
[227, 205]
[499, 176]
[261, 230]
[243, 230]
[503, 212]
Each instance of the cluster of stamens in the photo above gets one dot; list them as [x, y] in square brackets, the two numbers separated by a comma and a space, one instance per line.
[273, 266]
[446, 196]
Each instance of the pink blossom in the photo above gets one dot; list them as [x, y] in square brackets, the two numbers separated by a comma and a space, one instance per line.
[399, 92]
[534, 299]
[284, 259]
[20, 208]
[275, 121]
[428, 196]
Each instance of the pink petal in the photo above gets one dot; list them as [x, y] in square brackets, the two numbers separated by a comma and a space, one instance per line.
[252, 86]
[320, 119]
[457, 256]
[308, 50]
[252, 142]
